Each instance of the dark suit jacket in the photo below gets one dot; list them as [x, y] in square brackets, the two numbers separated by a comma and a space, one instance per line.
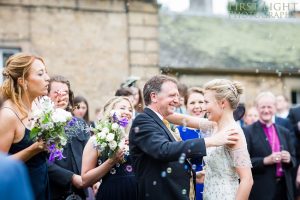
[158, 160]
[61, 171]
[264, 175]
[284, 123]
[294, 117]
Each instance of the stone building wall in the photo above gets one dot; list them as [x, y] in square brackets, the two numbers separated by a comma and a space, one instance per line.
[253, 84]
[95, 44]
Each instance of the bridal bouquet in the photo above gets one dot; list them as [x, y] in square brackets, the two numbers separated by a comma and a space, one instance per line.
[110, 134]
[49, 124]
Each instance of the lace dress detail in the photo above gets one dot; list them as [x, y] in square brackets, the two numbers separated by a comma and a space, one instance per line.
[221, 180]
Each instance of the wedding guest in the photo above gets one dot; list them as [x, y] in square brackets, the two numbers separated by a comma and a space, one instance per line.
[14, 182]
[294, 117]
[272, 153]
[251, 115]
[138, 101]
[81, 108]
[194, 103]
[64, 174]
[183, 90]
[126, 92]
[282, 106]
[26, 79]
[118, 179]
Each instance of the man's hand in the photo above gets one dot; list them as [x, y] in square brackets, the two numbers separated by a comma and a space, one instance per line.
[273, 158]
[61, 99]
[230, 137]
[285, 156]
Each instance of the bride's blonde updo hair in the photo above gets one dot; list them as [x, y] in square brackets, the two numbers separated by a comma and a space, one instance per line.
[226, 89]
[17, 66]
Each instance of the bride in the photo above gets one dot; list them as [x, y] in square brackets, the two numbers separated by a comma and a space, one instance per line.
[228, 168]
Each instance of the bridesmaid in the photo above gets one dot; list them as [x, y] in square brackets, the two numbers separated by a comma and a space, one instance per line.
[118, 179]
[26, 79]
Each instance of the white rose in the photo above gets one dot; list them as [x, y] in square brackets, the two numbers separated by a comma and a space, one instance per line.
[63, 141]
[101, 135]
[114, 126]
[60, 115]
[112, 145]
[46, 104]
[37, 113]
[105, 130]
[110, 137]
[98, 126]
[103, 145]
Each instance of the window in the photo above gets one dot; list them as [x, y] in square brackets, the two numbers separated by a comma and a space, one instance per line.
[5, 53]
[295, 97]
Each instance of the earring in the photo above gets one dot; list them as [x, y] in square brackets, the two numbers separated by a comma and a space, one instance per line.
[25, 87]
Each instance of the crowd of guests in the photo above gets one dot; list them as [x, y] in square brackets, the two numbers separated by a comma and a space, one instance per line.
[266, 148]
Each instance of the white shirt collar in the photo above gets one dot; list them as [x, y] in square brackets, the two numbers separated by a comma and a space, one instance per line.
[159, 115]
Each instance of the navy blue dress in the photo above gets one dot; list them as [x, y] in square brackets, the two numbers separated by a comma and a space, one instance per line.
[37, 168]
[186, 134]
[118, 184]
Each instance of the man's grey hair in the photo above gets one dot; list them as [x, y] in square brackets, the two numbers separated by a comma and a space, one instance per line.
[264, 94]
[154, 85]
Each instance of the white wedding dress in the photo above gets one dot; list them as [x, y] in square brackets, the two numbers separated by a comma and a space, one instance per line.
[221, 180]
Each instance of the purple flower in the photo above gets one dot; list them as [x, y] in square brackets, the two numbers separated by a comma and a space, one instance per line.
[54, 153]
[72, 122]
[115, 118]
[123, 122]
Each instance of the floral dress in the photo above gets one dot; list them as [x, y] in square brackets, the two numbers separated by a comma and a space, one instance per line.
[221, 179]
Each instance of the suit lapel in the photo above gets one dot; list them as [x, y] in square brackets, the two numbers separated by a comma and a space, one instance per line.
[153, 115]
[262, 137]
[77, 164]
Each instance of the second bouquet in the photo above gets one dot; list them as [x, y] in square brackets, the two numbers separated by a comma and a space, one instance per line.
[49, 124]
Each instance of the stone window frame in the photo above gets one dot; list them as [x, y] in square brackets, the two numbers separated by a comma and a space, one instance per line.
[295, 96]
[5, 52]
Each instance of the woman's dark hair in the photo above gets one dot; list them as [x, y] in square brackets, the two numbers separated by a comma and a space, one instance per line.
[140, 105]
[123, 92]
[62, 79]
[79, 99]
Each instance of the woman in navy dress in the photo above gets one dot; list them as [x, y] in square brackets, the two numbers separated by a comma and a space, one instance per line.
[26, 79]
[194, 102]
[118, 179]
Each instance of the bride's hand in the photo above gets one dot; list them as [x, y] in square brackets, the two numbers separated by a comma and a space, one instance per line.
[200, 176]
[230, 137]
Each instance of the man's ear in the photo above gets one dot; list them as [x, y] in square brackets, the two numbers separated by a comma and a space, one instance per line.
[153, 97]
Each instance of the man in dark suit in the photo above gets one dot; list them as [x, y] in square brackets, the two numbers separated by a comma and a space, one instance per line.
[160, 162]
[64, 175]
[294, 117]
[272, 154]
